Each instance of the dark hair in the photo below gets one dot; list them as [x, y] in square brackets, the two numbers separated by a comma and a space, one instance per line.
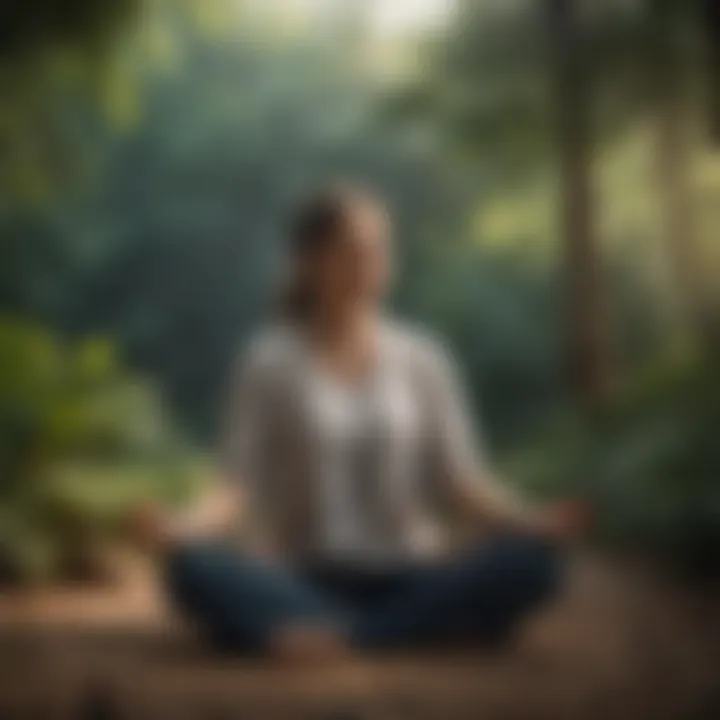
[317, 221]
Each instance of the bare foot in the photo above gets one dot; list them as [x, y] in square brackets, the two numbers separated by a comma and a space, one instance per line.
[308, 643]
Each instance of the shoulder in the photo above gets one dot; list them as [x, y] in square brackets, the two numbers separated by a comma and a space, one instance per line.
[418, 347]
[270, 351]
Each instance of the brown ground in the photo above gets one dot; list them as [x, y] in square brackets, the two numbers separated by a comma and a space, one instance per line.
[619, 645]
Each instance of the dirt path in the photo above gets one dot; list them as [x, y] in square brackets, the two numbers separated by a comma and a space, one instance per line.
[619, 645]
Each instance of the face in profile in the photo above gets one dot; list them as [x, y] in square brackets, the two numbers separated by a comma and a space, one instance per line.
[354, 268]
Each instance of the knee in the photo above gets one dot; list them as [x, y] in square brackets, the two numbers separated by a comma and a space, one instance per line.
[188, 571]
[540, 568]
[532, 565]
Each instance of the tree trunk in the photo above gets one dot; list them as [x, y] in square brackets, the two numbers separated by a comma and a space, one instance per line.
[711, 20]
[587, 352]
[669, 81]
[672, 154]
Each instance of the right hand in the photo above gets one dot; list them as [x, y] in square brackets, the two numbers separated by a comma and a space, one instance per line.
[150, 526]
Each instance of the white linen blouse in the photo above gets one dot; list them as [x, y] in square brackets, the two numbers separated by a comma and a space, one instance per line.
[351, 472]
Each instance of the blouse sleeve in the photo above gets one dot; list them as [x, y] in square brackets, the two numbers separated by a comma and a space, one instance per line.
[457, 451]
[242, 452]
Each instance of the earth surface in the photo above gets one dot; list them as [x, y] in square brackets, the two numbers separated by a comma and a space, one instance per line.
[621, 643]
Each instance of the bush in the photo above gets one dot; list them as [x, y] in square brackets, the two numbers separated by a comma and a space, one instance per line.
[80, 440]
[651, 461]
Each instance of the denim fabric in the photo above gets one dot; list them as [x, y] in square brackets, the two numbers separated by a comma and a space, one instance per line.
[480, 595]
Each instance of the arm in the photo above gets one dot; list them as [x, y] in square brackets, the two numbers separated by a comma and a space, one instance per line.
[454, 442]
[224, 501]
[474, 490]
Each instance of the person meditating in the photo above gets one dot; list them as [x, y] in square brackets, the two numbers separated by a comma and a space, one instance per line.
[346, 451]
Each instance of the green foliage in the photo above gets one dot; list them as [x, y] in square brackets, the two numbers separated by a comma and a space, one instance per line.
[50, 50]
[71, 68]
[200, 126]
[650, 461]
[187, 220]
[488, 82]
[80, 440]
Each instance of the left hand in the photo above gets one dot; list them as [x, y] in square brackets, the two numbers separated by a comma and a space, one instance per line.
[563, 521]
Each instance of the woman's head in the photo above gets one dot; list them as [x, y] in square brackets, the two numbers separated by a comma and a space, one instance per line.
[340, 253]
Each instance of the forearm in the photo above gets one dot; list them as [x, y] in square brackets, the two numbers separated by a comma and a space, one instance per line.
[499, 509]
[487, 501]
[219, 508]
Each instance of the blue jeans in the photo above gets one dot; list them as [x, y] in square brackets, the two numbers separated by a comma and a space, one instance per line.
[480, 595]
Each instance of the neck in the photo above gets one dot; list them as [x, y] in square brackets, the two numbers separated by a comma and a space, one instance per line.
[337, 326]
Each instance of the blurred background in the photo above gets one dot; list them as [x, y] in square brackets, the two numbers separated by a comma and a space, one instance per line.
[553, 167]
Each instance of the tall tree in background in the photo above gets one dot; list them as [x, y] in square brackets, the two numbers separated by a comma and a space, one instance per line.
[711, 13]
[711, 17]
[669, 83]
[586, 334]
[712, 24]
